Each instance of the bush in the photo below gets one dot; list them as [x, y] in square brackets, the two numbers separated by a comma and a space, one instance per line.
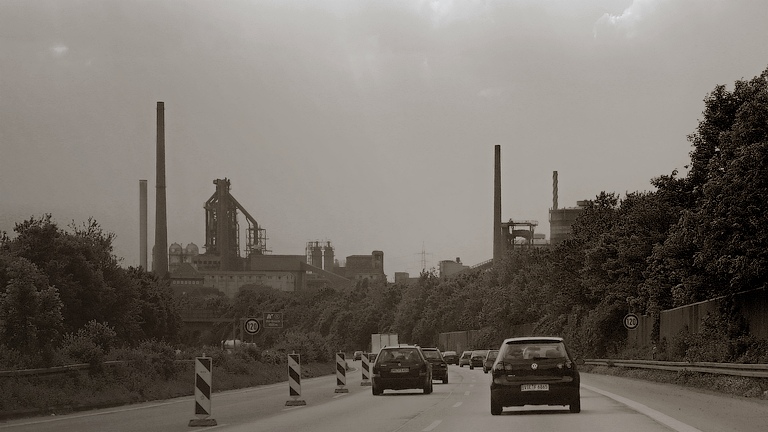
[312, 346]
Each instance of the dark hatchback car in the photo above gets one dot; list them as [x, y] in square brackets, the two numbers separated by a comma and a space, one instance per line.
[535, 371]
[477, 359]
[451, 357]
[401, 367]
[439, 365]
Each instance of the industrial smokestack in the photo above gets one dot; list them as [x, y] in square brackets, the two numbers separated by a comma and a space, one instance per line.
[143, 224]
[160, 256]
[554, 190]
[498, 240]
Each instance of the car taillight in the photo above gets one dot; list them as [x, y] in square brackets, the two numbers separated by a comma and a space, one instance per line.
[499, 367]
[568, 364]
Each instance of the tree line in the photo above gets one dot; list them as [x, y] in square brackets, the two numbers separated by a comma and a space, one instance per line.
[691, 238]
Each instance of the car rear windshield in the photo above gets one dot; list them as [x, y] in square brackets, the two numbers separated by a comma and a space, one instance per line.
[533, 350]
[399, 354]
[434, 354]
[492, 354]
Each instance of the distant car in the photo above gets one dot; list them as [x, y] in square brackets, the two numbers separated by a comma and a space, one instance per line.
[358, 355]
[464, 359]
[489, 359]
[401, 367]
[477, 359]
[535, 371]
[451, 357]
[439, 365]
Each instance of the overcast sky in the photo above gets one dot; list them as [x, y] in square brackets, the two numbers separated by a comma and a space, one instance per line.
[367, 123]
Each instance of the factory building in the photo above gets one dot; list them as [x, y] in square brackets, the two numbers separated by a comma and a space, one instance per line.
[360, 267]
[561, 219]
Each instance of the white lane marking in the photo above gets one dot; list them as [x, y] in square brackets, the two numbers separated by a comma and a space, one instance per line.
[466, 393]
[457, 404]
[432, 426]
[650, 412]
[340, 395]
[293, 408]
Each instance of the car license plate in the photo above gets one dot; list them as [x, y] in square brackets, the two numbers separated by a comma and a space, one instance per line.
[399, 370]
[534, 387]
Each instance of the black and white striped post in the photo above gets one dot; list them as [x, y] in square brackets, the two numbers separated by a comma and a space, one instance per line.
[203, 380]
[341, 373]
[294, 380]
[366, 370]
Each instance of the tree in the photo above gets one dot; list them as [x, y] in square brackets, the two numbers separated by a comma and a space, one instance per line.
[32, 322]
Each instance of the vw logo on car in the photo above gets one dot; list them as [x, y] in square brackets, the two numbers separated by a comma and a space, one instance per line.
[534, 366]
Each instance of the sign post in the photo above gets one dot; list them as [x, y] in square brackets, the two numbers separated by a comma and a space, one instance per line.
[631, 321]
[273, 320]
[251, 326]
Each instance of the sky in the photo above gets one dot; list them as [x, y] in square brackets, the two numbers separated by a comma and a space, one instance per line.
[370, 124]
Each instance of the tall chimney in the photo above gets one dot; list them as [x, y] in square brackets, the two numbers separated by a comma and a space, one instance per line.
[143, 224]
[160, 256]
[498, 240]
[554, 190]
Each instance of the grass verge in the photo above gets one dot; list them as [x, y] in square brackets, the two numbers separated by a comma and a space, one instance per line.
[731, 385]
[132, 383]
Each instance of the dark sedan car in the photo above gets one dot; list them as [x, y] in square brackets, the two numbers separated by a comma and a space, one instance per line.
[401, 367]
[439, 365]
[535, 371]
[451, 357]
[477, 359]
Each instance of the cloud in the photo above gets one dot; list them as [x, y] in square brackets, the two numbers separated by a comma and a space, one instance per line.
[59, 50]
[627, 22]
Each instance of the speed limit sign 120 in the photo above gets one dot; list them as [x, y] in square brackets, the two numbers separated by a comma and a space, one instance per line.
[252, 326]
[631, 321]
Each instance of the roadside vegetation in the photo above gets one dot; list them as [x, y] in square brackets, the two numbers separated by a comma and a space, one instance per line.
[66, 299]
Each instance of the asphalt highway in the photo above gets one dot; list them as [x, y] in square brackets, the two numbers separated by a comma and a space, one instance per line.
[608, 404]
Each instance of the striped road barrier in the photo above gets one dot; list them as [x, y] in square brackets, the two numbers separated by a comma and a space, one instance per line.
[294, 380]
[203, 380]
[341, 373]
[366, 370]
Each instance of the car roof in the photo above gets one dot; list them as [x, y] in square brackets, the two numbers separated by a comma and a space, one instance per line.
[430, 349]
[401, 346]
[534, 338]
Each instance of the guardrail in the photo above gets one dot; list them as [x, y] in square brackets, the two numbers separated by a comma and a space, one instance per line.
[67, 368]
[736, 369]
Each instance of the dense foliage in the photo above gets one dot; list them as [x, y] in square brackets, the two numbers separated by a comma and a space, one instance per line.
[66, 298]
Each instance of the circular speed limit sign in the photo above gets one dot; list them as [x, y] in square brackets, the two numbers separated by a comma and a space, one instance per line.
[252, 326]
[631, 321]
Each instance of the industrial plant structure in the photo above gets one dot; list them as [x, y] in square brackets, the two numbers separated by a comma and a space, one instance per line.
[561, 219]
[235, 261]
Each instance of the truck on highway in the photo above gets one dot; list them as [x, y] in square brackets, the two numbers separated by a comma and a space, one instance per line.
[380, 340]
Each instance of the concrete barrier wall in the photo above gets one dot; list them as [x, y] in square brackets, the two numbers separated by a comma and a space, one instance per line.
[753, 305]
[641, 336]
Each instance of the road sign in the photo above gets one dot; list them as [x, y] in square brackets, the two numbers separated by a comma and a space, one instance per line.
[273, 320]
[252, 326]
[631, 321]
